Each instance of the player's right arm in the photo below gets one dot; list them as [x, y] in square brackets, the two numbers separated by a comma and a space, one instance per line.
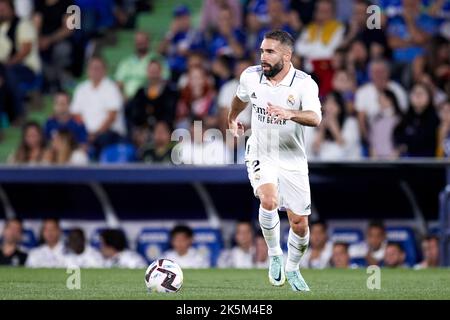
[237, 106]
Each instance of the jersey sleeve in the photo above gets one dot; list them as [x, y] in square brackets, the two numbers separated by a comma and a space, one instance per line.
[310, 97]
[242, 90]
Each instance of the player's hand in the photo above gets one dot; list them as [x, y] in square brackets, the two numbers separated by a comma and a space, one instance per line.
[236, 127]
[278, 113]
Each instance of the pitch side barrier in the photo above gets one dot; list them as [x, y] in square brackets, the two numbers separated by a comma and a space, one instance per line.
[401, 189]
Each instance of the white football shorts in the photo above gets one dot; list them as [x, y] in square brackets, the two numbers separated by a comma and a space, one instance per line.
[293, 187]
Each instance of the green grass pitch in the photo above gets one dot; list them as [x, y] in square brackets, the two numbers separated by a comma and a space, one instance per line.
[224, 284]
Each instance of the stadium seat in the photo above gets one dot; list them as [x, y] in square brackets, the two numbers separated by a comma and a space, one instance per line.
[29, 240]
[347, 235]
[406, 238]
[152, 242]
[209, 242]
[118, 153]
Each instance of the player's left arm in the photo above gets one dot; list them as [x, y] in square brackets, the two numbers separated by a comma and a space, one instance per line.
[307, 117]
[310, 115]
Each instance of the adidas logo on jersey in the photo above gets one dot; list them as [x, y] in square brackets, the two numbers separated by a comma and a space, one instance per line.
[254, 96]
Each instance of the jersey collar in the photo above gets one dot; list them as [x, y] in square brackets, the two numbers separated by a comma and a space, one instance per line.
[287, 80]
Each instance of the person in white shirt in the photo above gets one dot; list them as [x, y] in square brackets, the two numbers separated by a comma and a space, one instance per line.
[338, 136]
[319, 254]
[430, 253]
[284, 101]
[321, 37]
[79, 254]
[394, 256]
[367, 102]
[340, 257]
[242, 255]
[182, 252]
[373, 249]
[51, 253]
[204, 146]
[99, 104]
[226, 97]
[113, 246]
[20, 62]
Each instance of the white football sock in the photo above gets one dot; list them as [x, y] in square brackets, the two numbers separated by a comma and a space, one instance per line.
[297, 247]
[270, 226]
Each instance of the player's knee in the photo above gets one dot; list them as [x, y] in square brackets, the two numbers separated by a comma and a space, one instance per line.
[299, 226]
[269, 203]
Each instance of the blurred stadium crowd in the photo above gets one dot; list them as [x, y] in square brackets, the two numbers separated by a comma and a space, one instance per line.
[57, 247]
[385, 91]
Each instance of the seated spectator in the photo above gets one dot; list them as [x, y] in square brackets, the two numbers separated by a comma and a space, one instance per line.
[225, 39]
[356, 61]
[225, 97]
[261, 251]
[444, 131]
[10, 252]
[98, 103]
[156, 101]
[439, 9]
[51, 253]
[373, 249]
[131, 73]
[318, 42]
[408, 32]
[195, 59]
[159, 150]
[196, 99]
[242, 255]
[113, 246]
[394, 256]
[203, 146]
[222, 70]
[433, 67]
[381, 132]
[367, 102]
[257, 12]
[80, 254]
[179, 41]
[55, 45]
[279, 17]
[210, 14]
[430, 252]
[417, 133]
[320, 248]
[32, 145]
[374, 40]
[63, 119]
[182, 252]
[340, 257]
[338, 134]
[344, 83]
[19, 58]
[64, 149]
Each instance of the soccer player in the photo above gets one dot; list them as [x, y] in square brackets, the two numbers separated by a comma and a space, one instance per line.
[284, 100]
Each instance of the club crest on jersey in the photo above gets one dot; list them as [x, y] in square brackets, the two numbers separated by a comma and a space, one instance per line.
[291, 100]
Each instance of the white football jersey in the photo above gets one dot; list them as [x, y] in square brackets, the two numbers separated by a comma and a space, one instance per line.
[280, 142]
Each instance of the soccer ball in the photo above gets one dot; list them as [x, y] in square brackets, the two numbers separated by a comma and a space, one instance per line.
[163, 275]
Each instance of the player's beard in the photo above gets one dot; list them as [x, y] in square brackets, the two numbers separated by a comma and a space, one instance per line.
[273, 70]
